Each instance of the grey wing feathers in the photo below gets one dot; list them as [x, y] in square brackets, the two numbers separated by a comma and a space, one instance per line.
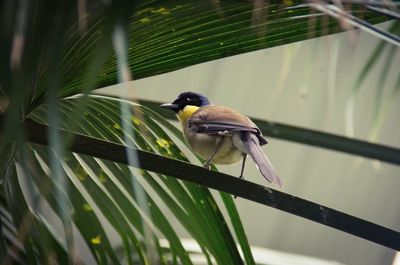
[214, 127]
[252, 147]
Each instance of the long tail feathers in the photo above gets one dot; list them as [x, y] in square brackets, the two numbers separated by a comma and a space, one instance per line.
[253, 148]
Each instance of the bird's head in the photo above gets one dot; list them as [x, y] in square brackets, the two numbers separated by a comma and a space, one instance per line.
[186, 104]
[186, 99]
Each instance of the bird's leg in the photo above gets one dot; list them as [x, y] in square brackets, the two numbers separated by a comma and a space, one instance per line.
[241, 171]
[218, 143]
[243, 163]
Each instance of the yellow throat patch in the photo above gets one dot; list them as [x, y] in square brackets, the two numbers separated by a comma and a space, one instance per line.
[187, 111]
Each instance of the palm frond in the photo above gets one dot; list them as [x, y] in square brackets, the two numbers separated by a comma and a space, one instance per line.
[286, 202]
[102, 180]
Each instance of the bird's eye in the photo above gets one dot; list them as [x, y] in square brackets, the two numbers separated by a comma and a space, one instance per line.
[187, 99]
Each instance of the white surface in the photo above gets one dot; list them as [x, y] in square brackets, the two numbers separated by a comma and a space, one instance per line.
[262, 256]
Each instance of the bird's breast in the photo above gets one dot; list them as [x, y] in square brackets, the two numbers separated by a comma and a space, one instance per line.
[204, 145]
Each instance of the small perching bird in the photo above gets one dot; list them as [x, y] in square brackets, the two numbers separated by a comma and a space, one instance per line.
[221, 135]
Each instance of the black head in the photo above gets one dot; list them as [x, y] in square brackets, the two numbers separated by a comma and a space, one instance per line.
[187, 98]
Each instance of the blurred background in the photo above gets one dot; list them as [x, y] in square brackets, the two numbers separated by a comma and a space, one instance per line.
[308, 84]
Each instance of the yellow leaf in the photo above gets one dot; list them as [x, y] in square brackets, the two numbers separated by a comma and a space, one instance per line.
[135, 120]
[145, 20]
[163, 143]
[87, 208]
[96, 240]
[161, 10]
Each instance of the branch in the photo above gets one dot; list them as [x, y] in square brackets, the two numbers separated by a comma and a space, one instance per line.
[382, 4]
[340, 14]
[37, 133]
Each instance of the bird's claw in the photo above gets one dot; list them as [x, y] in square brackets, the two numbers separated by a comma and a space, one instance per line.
[222, 133]
[207, 166]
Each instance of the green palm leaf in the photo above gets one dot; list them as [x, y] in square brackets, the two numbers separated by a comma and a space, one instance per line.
[193, 205]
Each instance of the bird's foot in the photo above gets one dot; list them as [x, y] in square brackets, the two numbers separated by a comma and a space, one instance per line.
[222, 133]
[207, 166]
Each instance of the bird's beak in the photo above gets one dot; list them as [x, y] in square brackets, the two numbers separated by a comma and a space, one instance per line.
[170, 106]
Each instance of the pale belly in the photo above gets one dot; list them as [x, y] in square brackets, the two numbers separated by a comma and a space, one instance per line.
[204, 145]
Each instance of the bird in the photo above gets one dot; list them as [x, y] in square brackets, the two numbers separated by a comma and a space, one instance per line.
[221, 135]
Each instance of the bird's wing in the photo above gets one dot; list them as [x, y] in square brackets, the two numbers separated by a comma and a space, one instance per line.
[217, 120]
[214, 127]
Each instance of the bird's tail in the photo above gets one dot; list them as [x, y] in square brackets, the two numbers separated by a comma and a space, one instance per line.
[253, 148]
